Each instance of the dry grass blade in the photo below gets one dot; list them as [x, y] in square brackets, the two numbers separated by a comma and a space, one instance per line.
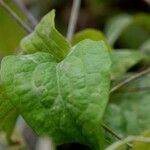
[73, 19]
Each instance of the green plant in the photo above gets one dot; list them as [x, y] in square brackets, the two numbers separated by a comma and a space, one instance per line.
[58, 91]
[62, 91]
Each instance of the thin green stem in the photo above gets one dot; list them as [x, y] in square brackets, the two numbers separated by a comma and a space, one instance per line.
[128, 80]
[117, 144]
[15, 16]
[32, 20]
[114, 134]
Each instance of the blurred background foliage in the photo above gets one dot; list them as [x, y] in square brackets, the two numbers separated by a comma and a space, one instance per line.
[132, 17]
[124, 25]
[10, 32]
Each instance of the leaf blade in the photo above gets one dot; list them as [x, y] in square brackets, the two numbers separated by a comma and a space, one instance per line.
[46, 38]
[42, 84]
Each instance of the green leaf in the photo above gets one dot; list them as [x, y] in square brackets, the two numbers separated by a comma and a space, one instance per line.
[46, 38]
[89, 33]
[136, 33]
[128, 31]
[115, 26]
[124, 59]
[146, 46]
[64, 100]
[142, 145]
[128, 112]
[8, 115]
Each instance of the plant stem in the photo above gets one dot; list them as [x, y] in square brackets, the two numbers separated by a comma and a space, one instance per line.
[117, 144]
[135, 89]
[27, 13]
[114, 134]
[128, 80]
[73, 19]
[15, 16]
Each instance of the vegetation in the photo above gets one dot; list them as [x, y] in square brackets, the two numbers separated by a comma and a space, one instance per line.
[91, 89]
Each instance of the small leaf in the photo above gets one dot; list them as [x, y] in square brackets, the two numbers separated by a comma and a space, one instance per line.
[92, 34]
[123, 60]
[115, 26]
[64, 100]
[136, 33]
[126, 30]
[47, 39]
[146, 46]
[142, 145]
